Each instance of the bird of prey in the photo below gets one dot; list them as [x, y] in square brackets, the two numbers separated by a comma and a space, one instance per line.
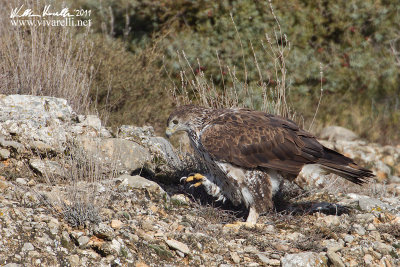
[248, 154]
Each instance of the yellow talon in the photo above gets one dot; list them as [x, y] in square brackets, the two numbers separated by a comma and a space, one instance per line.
[197, 184]
[189, 179]
[198, 176]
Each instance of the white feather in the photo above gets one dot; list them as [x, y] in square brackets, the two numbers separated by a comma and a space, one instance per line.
[247, 197]
[276, 181]
[313, 173]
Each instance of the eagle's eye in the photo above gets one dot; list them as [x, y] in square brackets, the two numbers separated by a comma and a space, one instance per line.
[175, 122]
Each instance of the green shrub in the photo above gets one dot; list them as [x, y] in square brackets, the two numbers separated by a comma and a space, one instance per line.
[352, 40]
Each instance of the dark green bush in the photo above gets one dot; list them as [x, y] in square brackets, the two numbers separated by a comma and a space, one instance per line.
[351, 39]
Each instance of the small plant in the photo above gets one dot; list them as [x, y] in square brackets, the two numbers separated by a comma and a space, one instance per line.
[123, 252]
[161, 251]
[77, 194]
[392, 229]
[79, 214]
[394, 254]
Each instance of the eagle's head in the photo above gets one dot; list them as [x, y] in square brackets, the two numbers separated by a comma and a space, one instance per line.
[188, 118]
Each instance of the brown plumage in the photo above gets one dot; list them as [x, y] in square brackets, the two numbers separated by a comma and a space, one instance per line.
[264, 149]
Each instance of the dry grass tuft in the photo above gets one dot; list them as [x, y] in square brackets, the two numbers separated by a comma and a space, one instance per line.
[215, 215]
[268, 94]
[45, 60]
[392, 229]
[77, 193]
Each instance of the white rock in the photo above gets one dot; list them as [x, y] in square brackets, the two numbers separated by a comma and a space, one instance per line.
[124, 155]
[4, 154]
[335, 258]
[334, 133]
[21, 181]
[369, 204]
[28, 247]
[348, 238]
[304, 259]
[382, 248]
[83, 240]
[35, 118]
[359, 229]
[28, 107]
[250, 249]
[174, 244]
[92, 121]
[371, 227]
[76, 234]
[104, 231]
[294, 236]
[368, 259]
[329, 220]
[365, 217]
[46, 167]
[134, 133]
[235, 257]
[74, 260]
[53, 225]
[40, 146]
[65, 236]
[5, 143]
[139, 182]
[115, 245]
[333, 245]
[394, 179]
[270, 229]
[267, 261]
[180, 198]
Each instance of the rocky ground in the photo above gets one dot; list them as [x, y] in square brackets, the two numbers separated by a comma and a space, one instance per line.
[75, 194]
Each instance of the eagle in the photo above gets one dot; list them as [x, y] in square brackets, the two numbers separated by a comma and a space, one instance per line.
[249, 154]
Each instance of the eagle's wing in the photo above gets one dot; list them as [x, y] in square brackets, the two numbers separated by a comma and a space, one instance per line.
[255, 139]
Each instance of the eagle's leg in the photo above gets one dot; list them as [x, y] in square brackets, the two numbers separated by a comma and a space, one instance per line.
[253, 216]
[211, 188]
[194, 177]
[250, 222]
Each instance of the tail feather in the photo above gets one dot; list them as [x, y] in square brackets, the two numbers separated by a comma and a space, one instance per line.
[343, 166]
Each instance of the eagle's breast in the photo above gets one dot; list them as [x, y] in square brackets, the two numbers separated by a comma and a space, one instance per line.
[240, 185]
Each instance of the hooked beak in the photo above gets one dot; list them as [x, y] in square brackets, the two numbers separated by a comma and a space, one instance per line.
[169, 131]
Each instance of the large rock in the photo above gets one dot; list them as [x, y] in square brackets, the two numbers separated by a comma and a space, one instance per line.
[174, 244]
[38, 109]
[334, 133]
[46, 167]
[370, 204]
[123, 155]
[11, 144]
[138, 182]
[335, 259]
[35, 118]
[43, 123]
[135, 133]
[384, 161]
[158, 146]
[165, 162]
